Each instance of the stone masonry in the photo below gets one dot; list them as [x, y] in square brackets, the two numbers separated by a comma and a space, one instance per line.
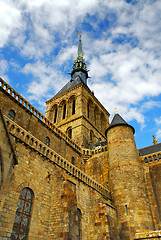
[87, 178]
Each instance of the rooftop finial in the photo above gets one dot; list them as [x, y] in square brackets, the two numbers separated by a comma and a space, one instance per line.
[115, 110]
[79, 34]
[154, 140]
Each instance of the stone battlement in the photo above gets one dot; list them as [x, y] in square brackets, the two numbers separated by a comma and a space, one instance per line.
[25, 104]
[22, 135]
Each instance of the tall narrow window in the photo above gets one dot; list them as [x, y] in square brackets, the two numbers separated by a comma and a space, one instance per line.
[73, 107]
[96, 114]
[11, 115]
[127, 212]
[64, 111]
[88, 109]
[23, 215]
[79, 215]
[103, 122]
[69, 132]
[91, 135]
[55, 115]
[73, 160]
[1, 168]
[47, 141]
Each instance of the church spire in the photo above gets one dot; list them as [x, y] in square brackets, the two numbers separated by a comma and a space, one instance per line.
[80, 53]
[79, 66]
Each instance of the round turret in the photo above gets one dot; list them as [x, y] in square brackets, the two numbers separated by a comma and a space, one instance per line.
[126, 180]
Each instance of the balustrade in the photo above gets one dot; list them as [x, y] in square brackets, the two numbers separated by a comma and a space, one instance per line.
[22, 135]
[152, 158]
[36, 113]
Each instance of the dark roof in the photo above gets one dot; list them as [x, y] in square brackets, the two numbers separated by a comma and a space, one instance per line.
[150, 149]
[100, 144]
[69, 85]
[118, 121]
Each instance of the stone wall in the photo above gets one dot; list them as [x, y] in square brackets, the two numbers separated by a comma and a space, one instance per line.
[80, 123]
[60, 188]
[97, 166]
[129, 210]
[127, 183]
[57, 195]
[155, 175]
[40, 129]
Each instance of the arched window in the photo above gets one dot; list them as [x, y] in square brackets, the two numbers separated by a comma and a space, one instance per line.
[88, 109]
[96, 114]
[64, 111]
[79, 216]
[103, 122]
[55, 115]
[73, 160]
[23, 215]
[47, 141]
[90, 112]
[73, 107]
[11, 114]
[69, 132]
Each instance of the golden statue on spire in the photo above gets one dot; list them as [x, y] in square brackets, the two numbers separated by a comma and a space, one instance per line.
[79, 34]
[154, 140]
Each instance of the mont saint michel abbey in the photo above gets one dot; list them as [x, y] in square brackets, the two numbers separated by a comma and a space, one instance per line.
[72, 175]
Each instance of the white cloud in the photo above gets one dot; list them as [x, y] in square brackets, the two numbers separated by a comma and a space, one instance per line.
[3, 69]
[66, 54]
[158, 134]
[43, 31]
[10, 21]
[46, 80]
[3, 66]
[158, 120]
[149, 105]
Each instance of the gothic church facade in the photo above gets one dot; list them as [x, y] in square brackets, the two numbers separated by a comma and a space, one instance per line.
[72, 175]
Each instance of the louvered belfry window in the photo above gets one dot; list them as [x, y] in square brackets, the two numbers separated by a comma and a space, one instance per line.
[23, 215]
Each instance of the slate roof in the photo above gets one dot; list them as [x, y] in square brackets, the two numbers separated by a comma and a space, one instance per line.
[69, 85]
[150, 149]
[100, 144]
[118, 121]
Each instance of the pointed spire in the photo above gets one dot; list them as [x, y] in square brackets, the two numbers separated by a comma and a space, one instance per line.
[80, 54]
[79, 63]
[119, 121]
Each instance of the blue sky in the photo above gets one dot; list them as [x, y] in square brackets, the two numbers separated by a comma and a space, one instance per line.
[122, 46]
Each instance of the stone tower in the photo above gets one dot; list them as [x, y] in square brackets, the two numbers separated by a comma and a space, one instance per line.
[75, 109]
[127, 180]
